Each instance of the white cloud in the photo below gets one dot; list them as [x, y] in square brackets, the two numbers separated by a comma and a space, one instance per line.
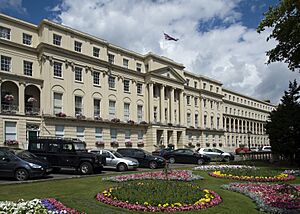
[228, 52]
[12, 4]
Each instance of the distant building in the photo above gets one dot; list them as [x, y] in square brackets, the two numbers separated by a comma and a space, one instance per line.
[57, 81]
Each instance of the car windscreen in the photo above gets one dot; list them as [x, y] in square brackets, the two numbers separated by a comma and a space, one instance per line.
[25, 154]
[79, 146]
[117, 154]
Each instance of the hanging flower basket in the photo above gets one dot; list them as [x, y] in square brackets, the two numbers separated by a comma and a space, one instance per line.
[32, 100]
[128, 144]
[98, 118]
[99, 143]
[131, 122]
[9, 97]
[115, 120]
[114, 144]
[11, 142]
[140, 144]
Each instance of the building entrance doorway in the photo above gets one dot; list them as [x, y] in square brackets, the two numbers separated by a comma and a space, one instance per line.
[159, 138]
[32, 133]
[178, 140]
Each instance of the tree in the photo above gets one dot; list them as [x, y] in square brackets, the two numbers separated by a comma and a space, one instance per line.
[283, 127]
[285, 21]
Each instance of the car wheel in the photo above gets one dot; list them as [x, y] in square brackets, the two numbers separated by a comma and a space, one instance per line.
[172, 160]
[200, 161]
[121, 167]
[226, 158]
[153, 165]
[86, 168]
[21, 174]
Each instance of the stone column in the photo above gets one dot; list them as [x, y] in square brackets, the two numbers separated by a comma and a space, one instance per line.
[230, 130]
[172, 106]
[150, 88]
[22, 97]
[181, 107]
[162, 104]
[238, 126]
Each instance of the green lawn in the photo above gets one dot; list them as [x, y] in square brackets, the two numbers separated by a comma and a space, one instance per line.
[79, 193]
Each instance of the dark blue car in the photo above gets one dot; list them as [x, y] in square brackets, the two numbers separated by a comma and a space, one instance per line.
[22, 164]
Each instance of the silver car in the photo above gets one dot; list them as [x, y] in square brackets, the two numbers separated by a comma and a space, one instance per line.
[216, 154]
[116, 161]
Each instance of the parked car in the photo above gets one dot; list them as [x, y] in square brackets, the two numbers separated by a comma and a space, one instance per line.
[22, 164]
[161, 152]
[266, 149]
[241, 150]
[144, 158]
[67, 153]
[216, 154]
[116, 161]
[254, 149]
[186, 156]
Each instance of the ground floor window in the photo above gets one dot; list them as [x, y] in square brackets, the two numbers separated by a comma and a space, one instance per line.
[80, 133]
[10, 131]
[59, 131]
[98, 134]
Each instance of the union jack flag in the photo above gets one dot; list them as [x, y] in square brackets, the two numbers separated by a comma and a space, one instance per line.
[168, 37]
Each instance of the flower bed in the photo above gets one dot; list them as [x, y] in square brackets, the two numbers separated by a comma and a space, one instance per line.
[279, 177]
[221, 167]
[272, 198]
[43, 206]
[159, 196]
[181, 175]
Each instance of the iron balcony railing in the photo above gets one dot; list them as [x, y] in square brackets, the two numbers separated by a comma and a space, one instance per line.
[9, 108]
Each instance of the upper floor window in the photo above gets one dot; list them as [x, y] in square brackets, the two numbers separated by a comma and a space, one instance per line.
[97, 107]
[187, 82]
[196, 120]
[111, 58]
[211, 87]
[57, 69]
[217, 89]
[112, 109]
[195, 84]
[57, 102]
[56, 39]
[196, 101]
[96, 78]
[111, 82]
[125, 63]
[27, 39]
[96, 52]
[126, 85]
[126, 111]
[140, 113]
[139, 88]
[204, 85]
[5, 63]
[188, 118]
[188, 100]
[27, 68]
[77, 46]
[78, 105]
[4, 33]
[139, 67]
[204, 103]
[78, 74]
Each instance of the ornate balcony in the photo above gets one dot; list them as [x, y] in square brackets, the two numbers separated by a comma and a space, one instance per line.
[9, 108]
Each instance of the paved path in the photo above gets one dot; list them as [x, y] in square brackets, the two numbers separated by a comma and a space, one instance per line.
[69, 173]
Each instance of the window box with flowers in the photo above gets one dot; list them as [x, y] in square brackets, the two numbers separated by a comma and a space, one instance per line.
[114, 144]
[11, 143]
[97, 117]
[198, 144]
[60, 114]
[115, 120]
[80, 116]
[140, 144]
[131, 122]
[128, 144]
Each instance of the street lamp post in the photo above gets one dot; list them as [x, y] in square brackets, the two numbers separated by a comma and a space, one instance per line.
[249, 133]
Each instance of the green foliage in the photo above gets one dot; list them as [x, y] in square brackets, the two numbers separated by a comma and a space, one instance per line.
[285, 21]
[251, 172]
[158, 192]
[284, 125]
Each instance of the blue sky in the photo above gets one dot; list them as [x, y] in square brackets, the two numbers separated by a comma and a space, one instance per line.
[217, 38]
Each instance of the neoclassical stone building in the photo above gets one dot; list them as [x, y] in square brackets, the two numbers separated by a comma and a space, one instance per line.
[57, 81]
